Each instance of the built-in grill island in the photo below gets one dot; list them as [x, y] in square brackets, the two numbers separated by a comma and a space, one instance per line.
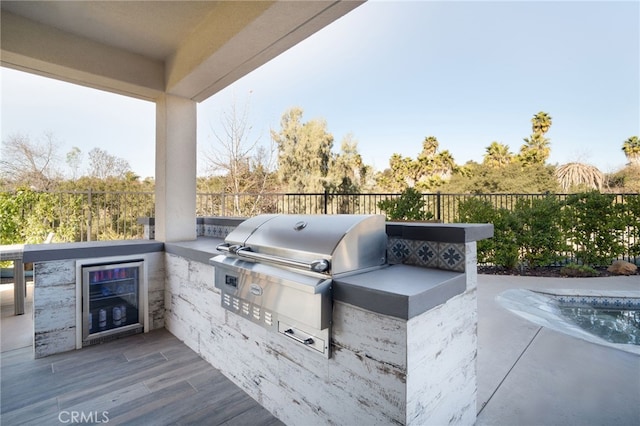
[278, 270]
[345, 335]
[334, 319]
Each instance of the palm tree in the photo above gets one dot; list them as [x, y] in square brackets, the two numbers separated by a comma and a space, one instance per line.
[444, 164]
[429, 148]
[536, 149]
[579, 175]
[631, 148]
[541, 123]
[497, 155]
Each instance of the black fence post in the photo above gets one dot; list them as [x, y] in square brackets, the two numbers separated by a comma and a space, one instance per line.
[438, 207]
[89, 214]
[326, 201]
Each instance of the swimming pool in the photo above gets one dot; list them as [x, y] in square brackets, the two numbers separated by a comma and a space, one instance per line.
[614, 325]
[606, 319]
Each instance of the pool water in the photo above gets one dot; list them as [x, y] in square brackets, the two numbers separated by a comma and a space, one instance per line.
[613, 325]
[612, 320]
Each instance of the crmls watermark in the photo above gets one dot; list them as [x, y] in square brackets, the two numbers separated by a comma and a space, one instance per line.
[71, 417]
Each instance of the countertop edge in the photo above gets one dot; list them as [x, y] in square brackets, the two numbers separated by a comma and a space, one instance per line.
[440, 232]
[62, 251]
[200, 250]
[442, 286]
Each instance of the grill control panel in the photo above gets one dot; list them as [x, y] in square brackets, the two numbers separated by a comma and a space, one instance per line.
[295, 306]
[267, 319]
[248, 310]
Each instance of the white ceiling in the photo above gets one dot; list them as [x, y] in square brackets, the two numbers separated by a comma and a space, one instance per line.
[142, 49]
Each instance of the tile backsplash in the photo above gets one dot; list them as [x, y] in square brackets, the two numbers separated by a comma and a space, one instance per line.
[428, 254]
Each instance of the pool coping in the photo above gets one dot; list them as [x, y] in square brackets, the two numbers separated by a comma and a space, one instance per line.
[533, 305]
[595, 298]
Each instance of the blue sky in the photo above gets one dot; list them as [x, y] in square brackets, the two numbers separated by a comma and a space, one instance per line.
[392, 73]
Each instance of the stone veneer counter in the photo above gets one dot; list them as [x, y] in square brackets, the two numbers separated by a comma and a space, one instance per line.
[404, 337]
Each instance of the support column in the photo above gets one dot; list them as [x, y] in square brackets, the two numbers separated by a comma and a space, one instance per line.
[175, 217]
[19, 288]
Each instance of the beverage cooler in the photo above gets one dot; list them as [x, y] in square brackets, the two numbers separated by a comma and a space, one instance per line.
[111, 300]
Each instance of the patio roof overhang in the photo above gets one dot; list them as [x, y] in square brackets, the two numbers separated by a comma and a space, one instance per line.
[144, 49]
[174, 53]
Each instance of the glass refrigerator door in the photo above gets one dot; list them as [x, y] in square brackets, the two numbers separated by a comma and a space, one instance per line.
[111, 298]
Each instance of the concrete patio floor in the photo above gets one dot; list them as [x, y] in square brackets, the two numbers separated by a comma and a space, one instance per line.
[527, 374]
[531, 375]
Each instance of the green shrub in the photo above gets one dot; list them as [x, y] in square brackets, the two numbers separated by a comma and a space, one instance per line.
[539, 233]
[502, 249]
[28, 216]
[575, 270]
[632, 221]
[474, 210]
[594, 226]
[10, 226]
[408, 206]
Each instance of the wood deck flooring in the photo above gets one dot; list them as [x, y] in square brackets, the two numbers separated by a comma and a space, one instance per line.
[146, 379]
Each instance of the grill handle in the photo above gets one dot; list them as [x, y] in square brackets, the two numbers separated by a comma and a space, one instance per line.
[321, 265]
[307, 340]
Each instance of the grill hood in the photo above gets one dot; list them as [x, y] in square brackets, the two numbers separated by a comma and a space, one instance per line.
[328, 244]
[277, 270]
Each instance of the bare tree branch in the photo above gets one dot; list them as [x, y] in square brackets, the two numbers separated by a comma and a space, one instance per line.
[28, 162]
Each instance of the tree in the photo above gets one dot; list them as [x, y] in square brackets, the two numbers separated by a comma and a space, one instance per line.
[431, 166]
[625, 180]
[347, 171]
[245, 165]
[512, 178]
[497, 155]
[541, 122]
[103, 165]
[579, 176]
[443, 165]
[429, 148]
[397, 176]
[74, 159]
[347, 176]
[30, 163]
[631, 148]
[536, 148]
[304, 152]
[426, 172]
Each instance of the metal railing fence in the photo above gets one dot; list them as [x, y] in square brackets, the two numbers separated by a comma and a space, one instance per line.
[443, 206]
[76, 216]
[103, 215]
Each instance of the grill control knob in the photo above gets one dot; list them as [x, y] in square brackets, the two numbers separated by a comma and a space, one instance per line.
[321, 265]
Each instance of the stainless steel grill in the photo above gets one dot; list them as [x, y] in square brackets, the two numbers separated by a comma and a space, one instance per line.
[277, 270]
